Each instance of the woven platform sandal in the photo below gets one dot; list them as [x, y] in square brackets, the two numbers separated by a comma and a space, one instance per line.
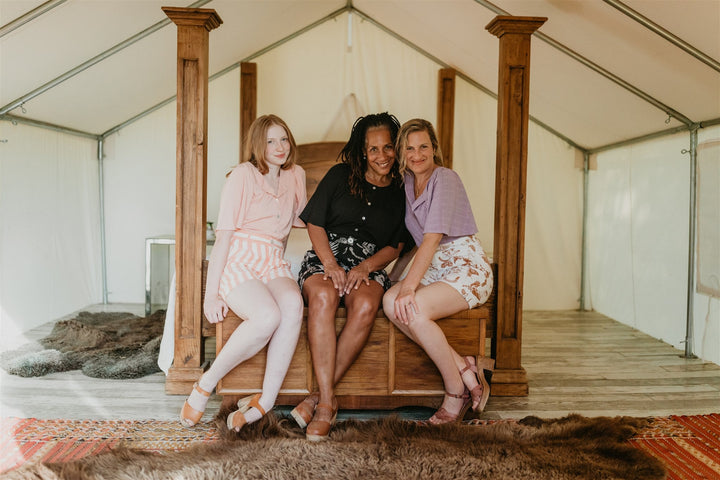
[236, 420]
[481, 392]
[189, 417]
[319, 430]
[305, 410]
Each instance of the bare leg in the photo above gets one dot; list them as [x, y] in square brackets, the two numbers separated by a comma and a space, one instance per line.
[323, 301]
[435, 301]
[469, 378]
[362, 306]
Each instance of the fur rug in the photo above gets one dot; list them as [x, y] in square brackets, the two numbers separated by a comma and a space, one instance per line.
[114, 345]
[569, 448]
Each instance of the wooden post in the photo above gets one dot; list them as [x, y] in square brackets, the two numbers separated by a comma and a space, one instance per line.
[510, 378]
[446, 113]
[194, 25]
[248, 99]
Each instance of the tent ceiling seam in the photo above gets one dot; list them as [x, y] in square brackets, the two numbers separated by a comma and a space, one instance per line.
[597, 68]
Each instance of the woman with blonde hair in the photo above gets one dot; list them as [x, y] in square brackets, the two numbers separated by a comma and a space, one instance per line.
[260, 202]
[450, 272]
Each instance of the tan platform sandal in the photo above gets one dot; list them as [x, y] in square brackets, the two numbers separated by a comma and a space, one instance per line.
[442, 416]
[481, 392]
[304, 411]
[236, 420]
[189, 417]
[319, 430]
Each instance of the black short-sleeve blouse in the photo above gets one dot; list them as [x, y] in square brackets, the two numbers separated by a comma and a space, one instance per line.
[379, 218]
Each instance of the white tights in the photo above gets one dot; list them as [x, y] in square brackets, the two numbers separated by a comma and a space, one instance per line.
[272, 313]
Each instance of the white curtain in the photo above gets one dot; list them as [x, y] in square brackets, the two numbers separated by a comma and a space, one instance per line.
[638, 236]
[50, 230]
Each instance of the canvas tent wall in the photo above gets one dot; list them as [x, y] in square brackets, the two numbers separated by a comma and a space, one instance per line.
[343, 65]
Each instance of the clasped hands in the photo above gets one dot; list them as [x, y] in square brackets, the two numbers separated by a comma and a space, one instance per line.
[345, 282]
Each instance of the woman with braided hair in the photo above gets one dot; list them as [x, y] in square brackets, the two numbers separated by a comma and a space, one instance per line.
[355, 222]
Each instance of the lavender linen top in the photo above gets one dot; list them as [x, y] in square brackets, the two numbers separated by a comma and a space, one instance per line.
[443, 207]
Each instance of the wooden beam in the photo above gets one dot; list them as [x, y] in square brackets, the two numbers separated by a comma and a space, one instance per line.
[248, 99]
[514, 33]
[194, 25]
[446, 113]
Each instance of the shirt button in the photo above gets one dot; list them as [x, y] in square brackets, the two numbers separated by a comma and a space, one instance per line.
[363, 218]
[350, 240]
[369, 203]
[356, 229]
[374, 187]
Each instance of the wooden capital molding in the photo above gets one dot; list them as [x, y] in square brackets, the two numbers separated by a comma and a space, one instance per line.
[193, 17]
[503, 24]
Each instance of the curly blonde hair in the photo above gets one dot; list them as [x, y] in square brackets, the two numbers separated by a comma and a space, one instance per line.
[412, 126]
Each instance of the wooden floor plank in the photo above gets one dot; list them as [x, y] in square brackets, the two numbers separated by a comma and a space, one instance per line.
[577, 362]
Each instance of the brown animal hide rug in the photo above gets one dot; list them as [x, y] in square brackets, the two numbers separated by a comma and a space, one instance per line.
[115, 345]
[573, 447]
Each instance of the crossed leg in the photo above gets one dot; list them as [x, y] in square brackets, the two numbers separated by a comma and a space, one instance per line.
[435, 301]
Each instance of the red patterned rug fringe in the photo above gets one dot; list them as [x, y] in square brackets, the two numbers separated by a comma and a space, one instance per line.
[688, 446]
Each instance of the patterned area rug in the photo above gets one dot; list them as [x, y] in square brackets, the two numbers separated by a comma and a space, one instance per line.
[688, 446]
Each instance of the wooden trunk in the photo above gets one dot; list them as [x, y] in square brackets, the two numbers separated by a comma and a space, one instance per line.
[390, 372]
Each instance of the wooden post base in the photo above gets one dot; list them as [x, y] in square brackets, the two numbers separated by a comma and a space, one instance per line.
[509, 383]
[179, 381]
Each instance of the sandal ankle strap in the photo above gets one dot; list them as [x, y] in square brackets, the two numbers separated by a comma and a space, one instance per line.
[326, 406]
[255, 402]
[469, 366]
[455, 395]
[197, 388]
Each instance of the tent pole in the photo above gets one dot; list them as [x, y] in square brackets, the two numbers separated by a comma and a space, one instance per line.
[597, 68]
[29, 16]
[583, 270]
[670, 37]
[691, 244]
[101, 183]
[89, 63]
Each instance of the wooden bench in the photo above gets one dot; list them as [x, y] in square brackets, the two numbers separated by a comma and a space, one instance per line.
[390, 372]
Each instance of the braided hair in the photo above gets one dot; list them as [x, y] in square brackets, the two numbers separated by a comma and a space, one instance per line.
[353, 153]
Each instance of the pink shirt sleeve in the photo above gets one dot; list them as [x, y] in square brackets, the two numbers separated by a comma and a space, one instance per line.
[235, 199]
[300, 195]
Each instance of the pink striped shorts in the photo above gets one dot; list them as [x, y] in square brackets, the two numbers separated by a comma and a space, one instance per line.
[253, 257]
